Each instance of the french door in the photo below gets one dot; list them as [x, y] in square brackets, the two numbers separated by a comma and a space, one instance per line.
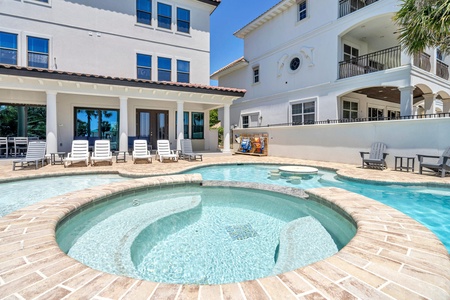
[152, 125]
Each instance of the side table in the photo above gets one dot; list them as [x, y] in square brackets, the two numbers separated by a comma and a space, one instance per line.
[399, 166]
[121, 156]
[57, 158]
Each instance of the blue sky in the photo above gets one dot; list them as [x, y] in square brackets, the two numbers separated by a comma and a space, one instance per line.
[230, 16]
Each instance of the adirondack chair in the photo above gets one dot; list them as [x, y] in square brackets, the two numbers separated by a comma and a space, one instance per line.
[35, 154]
[164, 152]
[442, 165]
[377, 156]
[140, 151]
[80, 152]
[102, 152]
[186, 151]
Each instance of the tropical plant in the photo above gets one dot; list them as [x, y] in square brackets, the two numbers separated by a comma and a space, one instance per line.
[423, 24]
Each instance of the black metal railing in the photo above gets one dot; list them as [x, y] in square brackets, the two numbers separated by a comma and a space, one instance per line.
[357, 120]
[348, 6]
[372, 62]
[422, 60]
[441, 69]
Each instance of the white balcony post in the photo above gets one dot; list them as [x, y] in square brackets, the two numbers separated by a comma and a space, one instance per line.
[123, 127]
[51, 123]
[180, 123]
[429, 101]
[405, 59]
[406, 100]
[433, 62]
[226, 128]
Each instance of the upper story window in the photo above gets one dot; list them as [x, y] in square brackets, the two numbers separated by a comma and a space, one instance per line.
[37, 52]
[164, 15]
[183, 70]
[256, 74]
[303, 113]
[45, 1]
[439, 54]
[245, 121]
[350, 53]
[183, 20]
[144, 66]
[164, 69]
[144, 11]
[349, 110]
[302, 13]
[8, 48]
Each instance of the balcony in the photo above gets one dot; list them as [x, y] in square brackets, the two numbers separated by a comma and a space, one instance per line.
[348, 6]
[369, 63]
[441, 69]
[422, 60]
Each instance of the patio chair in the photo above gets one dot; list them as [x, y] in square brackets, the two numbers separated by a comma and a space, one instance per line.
[164, 152]
[186, 151]
[442, 165]
[4, 145]
[35, 154]
[140, 151]
[79, 153]
[102, 152]
[377, 156]
[20, 145]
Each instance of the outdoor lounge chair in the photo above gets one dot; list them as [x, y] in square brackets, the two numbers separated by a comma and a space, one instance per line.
[377, 156]
[20, 145]
[4, 145]
[186, 151]
[80, 152]
[442, 165]
[102, 152]
[140, 151]
[35, 154]
[164, 151]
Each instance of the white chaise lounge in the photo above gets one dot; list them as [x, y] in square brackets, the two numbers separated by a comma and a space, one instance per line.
[35, 154]
[140, 151]
[186, 151]
[164, 152]
[79, 153]
[102, 152]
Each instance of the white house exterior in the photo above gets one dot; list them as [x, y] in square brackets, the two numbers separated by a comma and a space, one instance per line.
[332, 61]
[141, 65]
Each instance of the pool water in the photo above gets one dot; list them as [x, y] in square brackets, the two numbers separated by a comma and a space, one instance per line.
[429, 206]
[203, 235]
[22, 193]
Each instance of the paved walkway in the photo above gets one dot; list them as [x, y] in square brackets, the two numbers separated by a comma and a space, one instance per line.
[391, 256]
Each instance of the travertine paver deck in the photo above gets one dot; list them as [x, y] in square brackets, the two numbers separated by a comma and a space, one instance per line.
[391, 256]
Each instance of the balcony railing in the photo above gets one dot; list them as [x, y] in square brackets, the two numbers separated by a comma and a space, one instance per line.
[369, 63]
[348, 6]
[441, 69]
[422, 60]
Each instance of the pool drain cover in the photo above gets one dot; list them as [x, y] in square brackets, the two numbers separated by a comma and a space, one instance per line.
[241, 232]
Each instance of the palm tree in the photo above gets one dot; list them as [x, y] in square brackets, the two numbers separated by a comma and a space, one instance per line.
[423, 24]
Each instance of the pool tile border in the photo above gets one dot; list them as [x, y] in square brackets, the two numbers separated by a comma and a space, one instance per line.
[391, 256]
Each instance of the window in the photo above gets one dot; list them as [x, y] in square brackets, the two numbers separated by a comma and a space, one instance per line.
[183, 20]
[8, 48]
[144, 66]
[349, 110]
[164, 16]
[144, 11]
[197, 125]
[439, 54]
[245, 121]
[393, 114]
[94, 123]
[375, 114]
[255, 74]
[350, 53]
[185, 124]
[183, 69]
[303, 113]
[164, 69]
[302, 10]
[37, 52]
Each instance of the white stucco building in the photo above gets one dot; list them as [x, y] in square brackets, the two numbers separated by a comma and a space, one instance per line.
[332, 61]
[112, 69]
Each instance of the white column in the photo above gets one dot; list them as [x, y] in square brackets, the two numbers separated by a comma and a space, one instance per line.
[51, 123]
[446, 105]
[406, 100]
[429, 103]
[226, 128]
[180, 123]
[123, 127]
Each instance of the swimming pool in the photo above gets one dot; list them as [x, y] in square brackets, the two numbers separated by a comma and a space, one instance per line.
[21, 193]
[203, 235]
[429, 206]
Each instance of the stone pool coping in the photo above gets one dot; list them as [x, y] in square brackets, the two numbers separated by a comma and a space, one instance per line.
[391, 256]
